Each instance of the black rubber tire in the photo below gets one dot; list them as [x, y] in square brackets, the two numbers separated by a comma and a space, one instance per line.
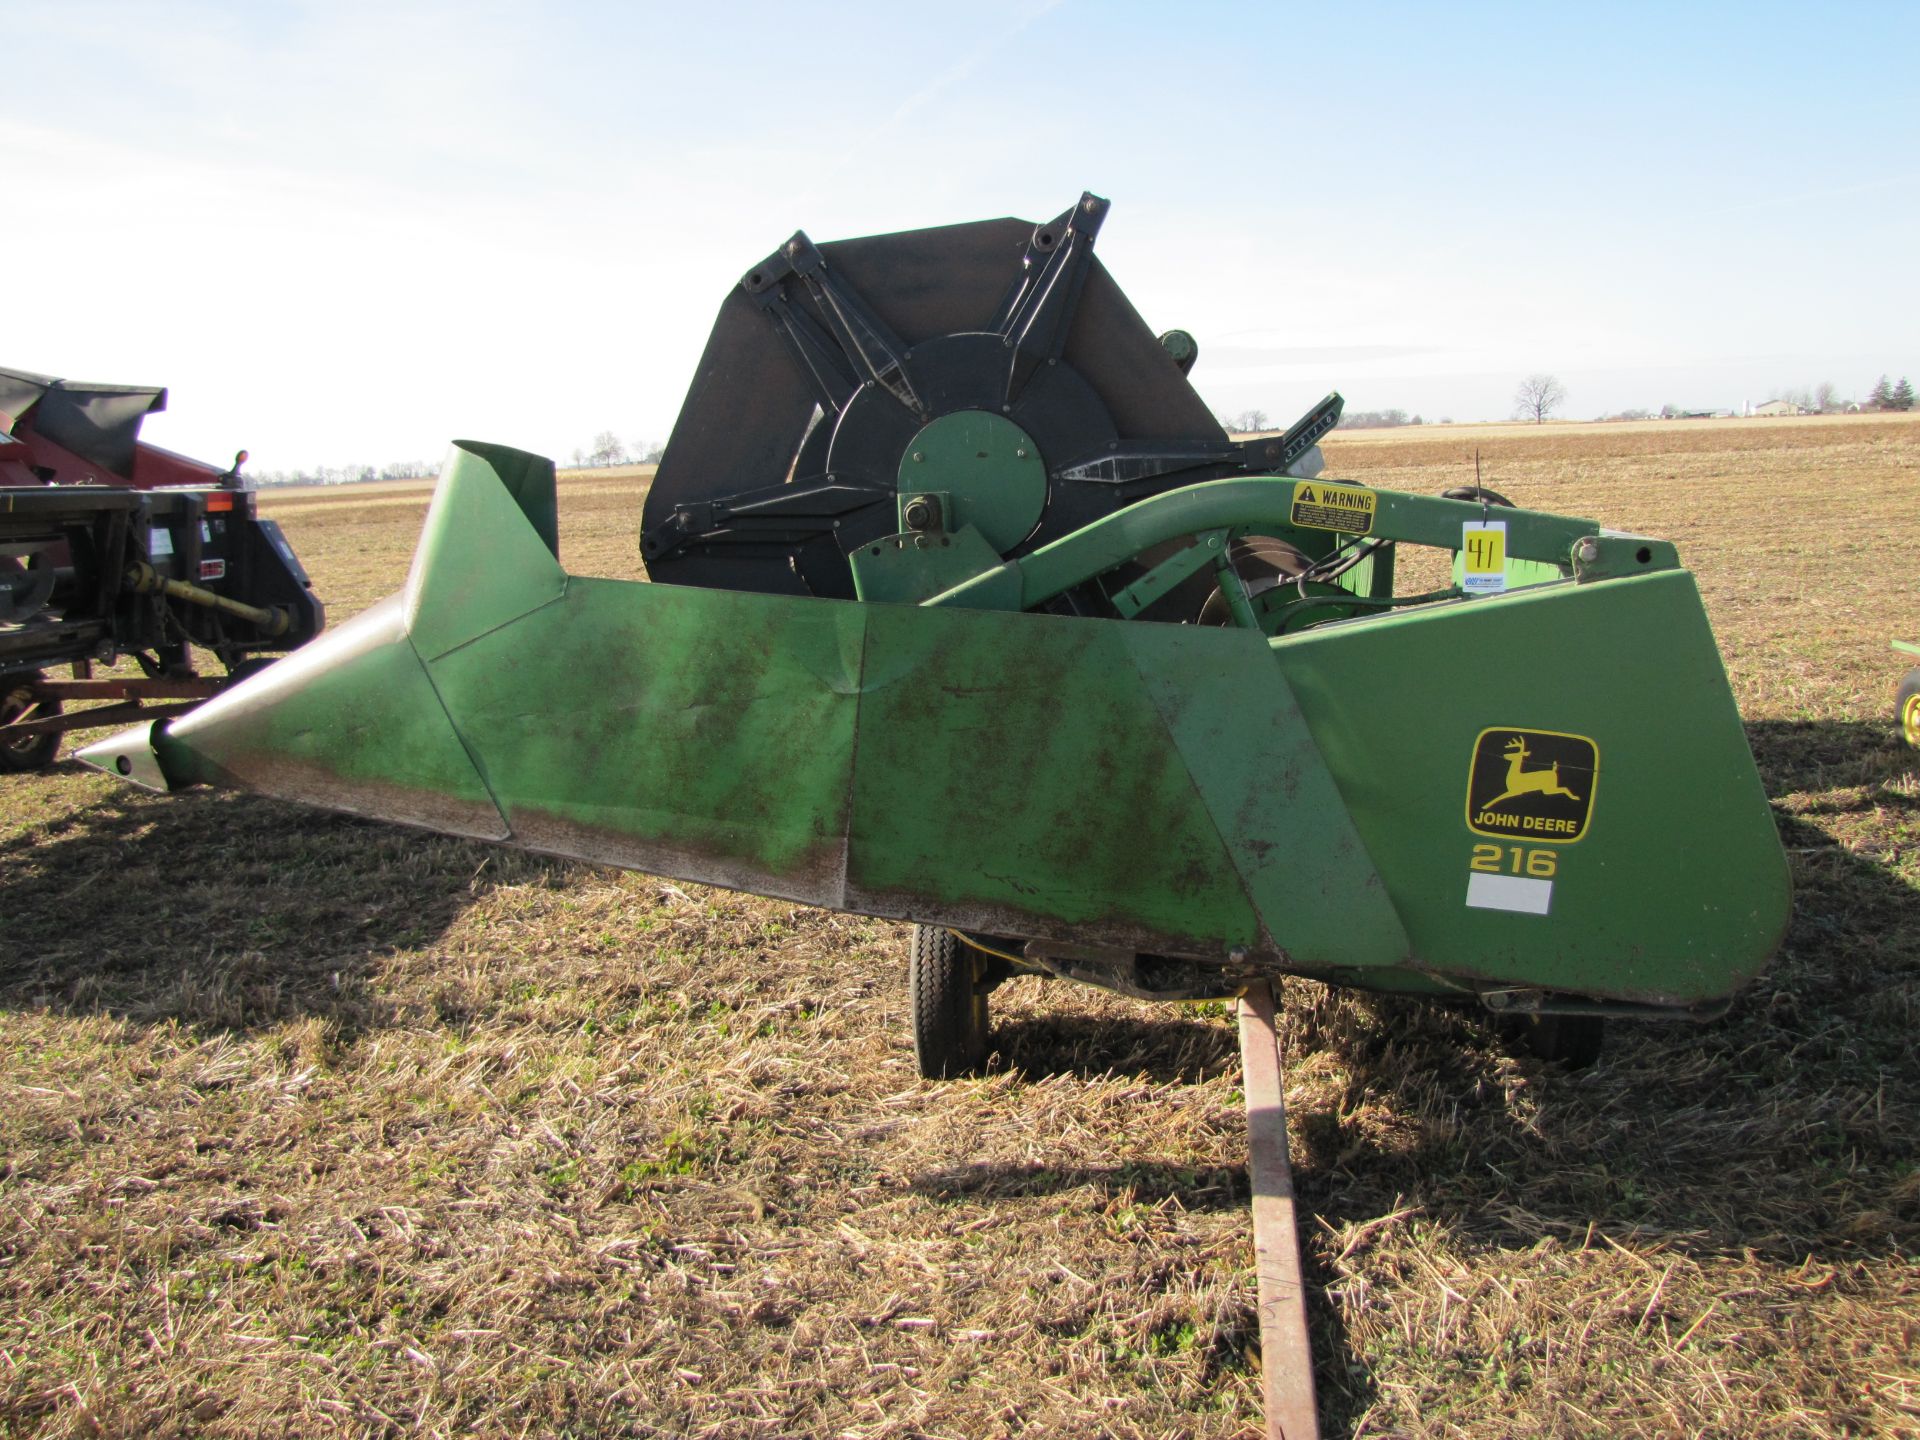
[250, 667]
[1574, 1041]
[1262, 563]
[1906, 705]
[1476, 492]
[949, 1000]
[28, 752]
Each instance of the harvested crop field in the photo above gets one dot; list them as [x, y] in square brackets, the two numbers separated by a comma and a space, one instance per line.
[314, 1126]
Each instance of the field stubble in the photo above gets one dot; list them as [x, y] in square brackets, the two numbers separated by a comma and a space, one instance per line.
[315, 1126]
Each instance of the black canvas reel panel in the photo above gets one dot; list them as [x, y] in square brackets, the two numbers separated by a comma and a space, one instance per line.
[827, 360]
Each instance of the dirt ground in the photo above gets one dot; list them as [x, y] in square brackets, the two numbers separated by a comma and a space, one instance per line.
[314, 1126]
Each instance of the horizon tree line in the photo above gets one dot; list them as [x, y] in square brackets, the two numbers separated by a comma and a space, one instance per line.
[1538, 396]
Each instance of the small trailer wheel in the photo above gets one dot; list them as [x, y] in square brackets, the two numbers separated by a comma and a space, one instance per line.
[949, 996]
[26, 752]
[1907, 706]
[248, 668]
[1570, 1040]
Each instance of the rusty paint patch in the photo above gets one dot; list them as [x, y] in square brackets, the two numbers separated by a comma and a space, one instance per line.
[818, 877]
[270, 773]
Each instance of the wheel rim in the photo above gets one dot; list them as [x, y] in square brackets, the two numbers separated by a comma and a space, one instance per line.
[1910, 720]
[17, 704]
[21, 699]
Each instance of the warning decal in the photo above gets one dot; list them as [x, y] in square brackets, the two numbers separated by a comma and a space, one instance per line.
[1532, 785]
[1319, 505]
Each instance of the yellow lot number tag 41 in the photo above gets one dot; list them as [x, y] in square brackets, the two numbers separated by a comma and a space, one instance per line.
[1483, 549]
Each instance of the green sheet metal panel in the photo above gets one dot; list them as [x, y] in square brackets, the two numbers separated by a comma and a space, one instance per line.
[349, 721]
[1013, 767]
[1256, 766]
[484, 558]
[705, 734]
[1676, 891]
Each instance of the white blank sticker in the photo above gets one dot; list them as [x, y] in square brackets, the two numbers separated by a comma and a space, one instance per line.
[1509, 892]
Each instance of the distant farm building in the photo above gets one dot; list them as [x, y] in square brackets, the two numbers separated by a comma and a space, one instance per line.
[1778, 407]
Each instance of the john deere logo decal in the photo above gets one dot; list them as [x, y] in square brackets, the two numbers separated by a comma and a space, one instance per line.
[1532, 785]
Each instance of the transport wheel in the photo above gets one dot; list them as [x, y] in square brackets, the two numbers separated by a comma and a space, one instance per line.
[1907, 706]
[249, 668]
[1570, 1040]
[1476, 492]
[949, 1004]
[25, 588]
[26, 752]
[1262, 563]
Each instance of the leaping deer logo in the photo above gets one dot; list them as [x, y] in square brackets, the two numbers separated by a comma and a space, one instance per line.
[1522, 781]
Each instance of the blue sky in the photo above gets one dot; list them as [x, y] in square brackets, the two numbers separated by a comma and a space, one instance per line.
[350, 232]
